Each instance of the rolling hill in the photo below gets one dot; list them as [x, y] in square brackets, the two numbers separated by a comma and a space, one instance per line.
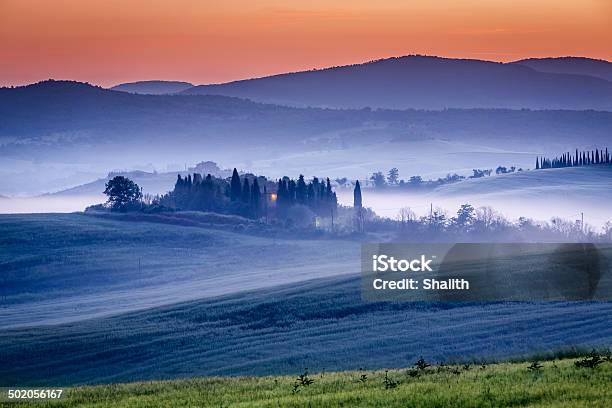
[58, 134]
[421, 82]
[584, 181]
[153, 87]
[567, 193]
[151, 183]
[89, 300]
[570, 65]
[540, 194]
[456, 385]
[82, 266]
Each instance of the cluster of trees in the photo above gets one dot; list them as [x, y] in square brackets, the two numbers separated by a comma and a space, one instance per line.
[483, 222]
[238, 195]
[196, 193]
[246, 195]
[379, 180]
[584, 158]
[317, 195]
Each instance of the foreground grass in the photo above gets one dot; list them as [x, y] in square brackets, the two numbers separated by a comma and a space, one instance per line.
[557, 383]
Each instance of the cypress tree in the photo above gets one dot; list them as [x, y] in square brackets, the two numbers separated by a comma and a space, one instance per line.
[281, 193]
[329, 189]
[235, 186]
[357, 203]
[300, 190]
[246, 192]
[576, 158]
[322, 195]
[311, 198]
[291, 191]
[317, 190]
[255, 197]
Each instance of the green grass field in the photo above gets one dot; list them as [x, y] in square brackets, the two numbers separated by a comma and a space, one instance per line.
[558, 383]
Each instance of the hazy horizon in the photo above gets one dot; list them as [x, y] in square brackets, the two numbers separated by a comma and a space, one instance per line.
[271, 74]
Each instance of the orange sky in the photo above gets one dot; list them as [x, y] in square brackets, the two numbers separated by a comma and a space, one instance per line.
[108, 42]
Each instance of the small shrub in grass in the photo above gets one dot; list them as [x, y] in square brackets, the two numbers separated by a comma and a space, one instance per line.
[413, 373]
[590, 361]
[389, 383]
[303, 380]
[535, 366]
[421, 364]
[362, 377]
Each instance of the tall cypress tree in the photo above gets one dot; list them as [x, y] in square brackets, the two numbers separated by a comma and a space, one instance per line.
[291, 191]
[255, 197]
[357, 203]
[311, 196]
[235, 186]
[576, 158]
[246, 192]
[281, 193]
[300, 190]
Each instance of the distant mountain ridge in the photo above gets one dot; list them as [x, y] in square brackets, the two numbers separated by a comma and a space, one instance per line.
[153, 87]
[422, 82]
[52, 129]
[570, 65]
[41, 112]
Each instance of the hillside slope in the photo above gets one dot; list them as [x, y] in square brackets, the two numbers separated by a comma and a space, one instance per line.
[151, 183]
[89, 300]
[569, 193]
[79, 266]
[556, 383]
[57, 134]
[322, 324]
[586, 182]
[423, 83]
[570, 65]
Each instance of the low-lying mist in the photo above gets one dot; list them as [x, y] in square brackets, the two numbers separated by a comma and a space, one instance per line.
[388, 204]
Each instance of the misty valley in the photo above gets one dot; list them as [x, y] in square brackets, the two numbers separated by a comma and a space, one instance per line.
[164, 230]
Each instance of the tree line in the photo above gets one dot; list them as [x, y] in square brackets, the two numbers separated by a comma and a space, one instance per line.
[584, 158]
[317, 195]
[247, 195]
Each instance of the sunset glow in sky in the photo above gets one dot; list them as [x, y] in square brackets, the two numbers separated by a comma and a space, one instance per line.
[200, 41]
